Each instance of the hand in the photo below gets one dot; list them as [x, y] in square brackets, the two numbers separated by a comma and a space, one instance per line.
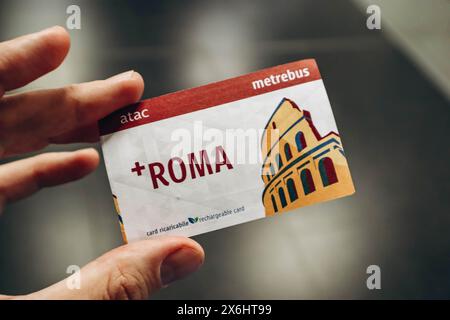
[30, 121]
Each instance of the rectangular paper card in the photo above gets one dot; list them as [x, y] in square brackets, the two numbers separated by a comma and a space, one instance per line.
[226, 153]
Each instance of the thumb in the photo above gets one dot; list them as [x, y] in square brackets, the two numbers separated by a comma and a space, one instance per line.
[132, 271]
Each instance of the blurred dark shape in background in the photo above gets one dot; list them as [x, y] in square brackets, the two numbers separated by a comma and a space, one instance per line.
[389, 91]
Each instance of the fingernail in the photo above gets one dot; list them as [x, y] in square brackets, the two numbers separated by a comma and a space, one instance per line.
[88, 150]
[122, 76]
[51, 29]
[179, 264]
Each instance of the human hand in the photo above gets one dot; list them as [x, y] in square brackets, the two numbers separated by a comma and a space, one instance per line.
[30, 121]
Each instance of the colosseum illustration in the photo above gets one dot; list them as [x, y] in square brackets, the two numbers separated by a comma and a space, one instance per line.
[300, 166]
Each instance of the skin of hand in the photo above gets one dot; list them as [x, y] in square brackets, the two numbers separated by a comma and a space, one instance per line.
[32, 120]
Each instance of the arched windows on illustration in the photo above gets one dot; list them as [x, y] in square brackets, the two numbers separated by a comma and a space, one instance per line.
[307, 181]
[327, 171]
[292, 191]
[278, 161]
[282, 197]
[300, 141]
[272, 170]
[274, 204]
[287, 152]
[274, 125]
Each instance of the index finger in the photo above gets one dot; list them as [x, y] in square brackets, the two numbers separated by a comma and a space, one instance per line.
[26, 58]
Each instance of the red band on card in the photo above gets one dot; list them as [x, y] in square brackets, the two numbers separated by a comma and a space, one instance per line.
[211, 95]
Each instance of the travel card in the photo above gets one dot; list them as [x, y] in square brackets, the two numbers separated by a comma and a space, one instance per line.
[226, 153]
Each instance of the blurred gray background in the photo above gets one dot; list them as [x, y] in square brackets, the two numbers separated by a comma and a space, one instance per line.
[389, 90]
